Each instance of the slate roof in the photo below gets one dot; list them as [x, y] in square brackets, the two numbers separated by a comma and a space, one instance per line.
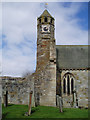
[72, 56]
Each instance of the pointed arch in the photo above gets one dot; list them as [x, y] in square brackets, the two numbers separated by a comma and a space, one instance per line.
[72, 85]
[68, 83]
[64, 86]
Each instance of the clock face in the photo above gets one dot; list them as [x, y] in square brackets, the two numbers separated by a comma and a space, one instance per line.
[46, 28]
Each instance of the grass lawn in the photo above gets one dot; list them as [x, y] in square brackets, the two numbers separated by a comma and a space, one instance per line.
[18, 111]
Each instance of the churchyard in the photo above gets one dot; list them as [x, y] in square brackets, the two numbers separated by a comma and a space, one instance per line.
[18, 111]
[58, 87]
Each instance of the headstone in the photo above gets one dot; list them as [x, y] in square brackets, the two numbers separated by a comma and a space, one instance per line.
[6, 99]
[76, 101]
[60, 104]
[30, 102]
[57, 97]
[74, 98]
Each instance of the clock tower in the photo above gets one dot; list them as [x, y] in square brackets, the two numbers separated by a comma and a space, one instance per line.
[45, 82]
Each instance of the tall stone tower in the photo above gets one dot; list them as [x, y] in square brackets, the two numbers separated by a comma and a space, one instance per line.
[45, 81]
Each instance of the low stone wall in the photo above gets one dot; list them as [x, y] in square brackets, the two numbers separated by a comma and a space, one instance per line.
[18, 90]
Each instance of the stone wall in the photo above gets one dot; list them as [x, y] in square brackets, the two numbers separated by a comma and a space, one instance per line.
[45, 86]
[81, 88]
[45, 75]
[18, 89]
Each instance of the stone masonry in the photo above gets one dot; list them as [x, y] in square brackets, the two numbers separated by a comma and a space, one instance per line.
[45, 81]
[18, 89]
[61, 71]
[81, 88]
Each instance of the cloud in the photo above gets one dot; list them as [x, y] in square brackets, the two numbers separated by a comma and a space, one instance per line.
[20, 32]
[0, 38]
[68, 31]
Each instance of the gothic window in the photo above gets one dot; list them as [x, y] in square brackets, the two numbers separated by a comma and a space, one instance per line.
[68, 84]
[72, 85]
[45, 19]
[64, 86]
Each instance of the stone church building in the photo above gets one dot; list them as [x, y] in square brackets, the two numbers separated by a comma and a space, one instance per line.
[62, 70]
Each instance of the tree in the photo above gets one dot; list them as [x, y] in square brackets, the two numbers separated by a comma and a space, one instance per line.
[26, 73]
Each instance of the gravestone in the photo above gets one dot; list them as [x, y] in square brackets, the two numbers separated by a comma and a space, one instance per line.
[6, 99]
[30, 102]
[74, 98]
[57, 100]
[60, 104]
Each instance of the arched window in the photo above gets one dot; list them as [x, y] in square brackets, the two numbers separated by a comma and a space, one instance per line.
[72, 85]
[39, 20]
[64, 86]
[45, 19]
[51, 20]
[68, 84]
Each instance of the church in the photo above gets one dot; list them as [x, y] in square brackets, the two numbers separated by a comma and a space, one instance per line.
[61, 71]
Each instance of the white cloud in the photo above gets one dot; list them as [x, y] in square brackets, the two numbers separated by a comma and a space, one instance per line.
[68, 31]
[20, 27]
[0, 37]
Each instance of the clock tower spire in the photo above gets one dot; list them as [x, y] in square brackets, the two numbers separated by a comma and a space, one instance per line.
[45, 83]
[45, 39]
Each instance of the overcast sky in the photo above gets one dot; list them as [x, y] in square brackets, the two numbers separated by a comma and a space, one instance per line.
[19, 31]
